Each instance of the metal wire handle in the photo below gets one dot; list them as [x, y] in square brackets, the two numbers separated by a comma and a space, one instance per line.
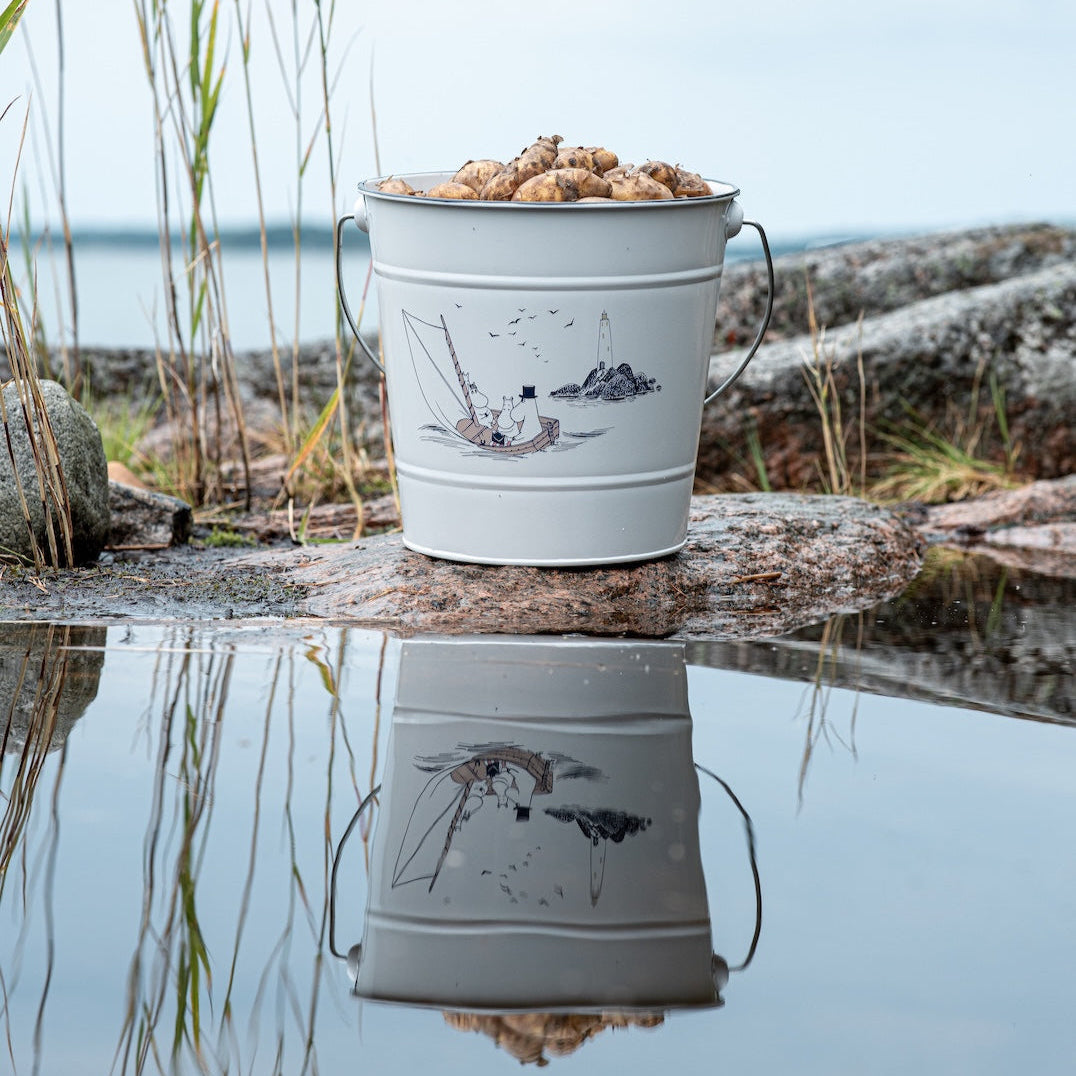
[336, 864]
[343, 298]
[728, 382]
[750, 830]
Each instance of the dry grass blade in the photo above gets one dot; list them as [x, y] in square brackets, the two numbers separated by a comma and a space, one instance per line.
[51, 484]
[925, 466]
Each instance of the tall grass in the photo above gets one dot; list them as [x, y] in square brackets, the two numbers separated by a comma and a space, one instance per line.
[916, 460]
[196, 362]
[186, 77]
[31, 418]
[820, 372]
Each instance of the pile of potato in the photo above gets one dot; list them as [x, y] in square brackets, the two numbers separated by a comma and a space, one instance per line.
[546, 171]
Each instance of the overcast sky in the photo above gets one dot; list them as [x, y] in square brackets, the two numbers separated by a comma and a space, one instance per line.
[832, 117]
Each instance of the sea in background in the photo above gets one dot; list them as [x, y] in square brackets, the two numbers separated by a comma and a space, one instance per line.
[119, 283]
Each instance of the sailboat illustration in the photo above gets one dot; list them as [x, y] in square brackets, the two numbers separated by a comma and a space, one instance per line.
[509, 776]
[448, 394]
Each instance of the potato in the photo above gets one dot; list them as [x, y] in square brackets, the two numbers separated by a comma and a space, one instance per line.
[690, 185]
[459, 191]
[574, 157]
[541, 188]
[662, 172]
[476, 174]
[540, 153]
[500, 187]
[531, 163]
[604, 159]
[638, 187]
[547, 171]
[562, 185]
[392, 185]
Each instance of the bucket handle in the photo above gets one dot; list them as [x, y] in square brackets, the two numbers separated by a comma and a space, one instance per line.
[340, 288]
[721, 968]
[353, 955]
[728, 382]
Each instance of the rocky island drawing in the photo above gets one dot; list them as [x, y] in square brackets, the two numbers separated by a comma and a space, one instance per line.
[607, 381]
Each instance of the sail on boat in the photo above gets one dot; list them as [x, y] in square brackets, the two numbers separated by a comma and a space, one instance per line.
[447, 393]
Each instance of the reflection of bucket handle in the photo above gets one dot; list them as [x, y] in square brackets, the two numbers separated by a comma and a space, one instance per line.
[354, 954]
[721, 970]
[719, 966]
[359, 217]
[732, 227]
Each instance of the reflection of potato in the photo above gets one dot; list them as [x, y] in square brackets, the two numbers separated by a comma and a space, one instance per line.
[547, 171]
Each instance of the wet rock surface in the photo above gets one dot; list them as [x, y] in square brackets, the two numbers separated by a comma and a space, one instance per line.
[755, 565]
[970, 632]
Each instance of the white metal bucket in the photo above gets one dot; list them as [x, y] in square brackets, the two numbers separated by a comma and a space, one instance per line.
[537, 843]
[546, 368]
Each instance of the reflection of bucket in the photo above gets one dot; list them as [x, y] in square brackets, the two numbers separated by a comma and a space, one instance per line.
[537, 846]
[546, 369]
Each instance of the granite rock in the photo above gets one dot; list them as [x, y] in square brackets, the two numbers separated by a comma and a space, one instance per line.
[85, 472]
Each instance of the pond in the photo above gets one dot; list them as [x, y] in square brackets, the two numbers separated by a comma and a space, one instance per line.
[845, 850]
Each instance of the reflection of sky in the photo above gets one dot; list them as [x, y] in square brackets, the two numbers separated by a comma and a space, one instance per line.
[917, 906]
[830, 116]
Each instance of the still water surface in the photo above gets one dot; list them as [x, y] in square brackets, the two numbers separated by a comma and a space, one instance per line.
[166, 904]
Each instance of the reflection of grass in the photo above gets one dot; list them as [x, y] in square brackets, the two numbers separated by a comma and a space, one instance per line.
[193, 711]
[183, 1006]
[41, 675]
[819, 729]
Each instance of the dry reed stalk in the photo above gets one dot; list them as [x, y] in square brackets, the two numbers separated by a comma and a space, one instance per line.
[51, 483]
[197, 369]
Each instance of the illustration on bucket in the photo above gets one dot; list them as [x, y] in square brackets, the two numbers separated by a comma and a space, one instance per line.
[458, 405]
[608, 381]
[506, 777]
[515, 427]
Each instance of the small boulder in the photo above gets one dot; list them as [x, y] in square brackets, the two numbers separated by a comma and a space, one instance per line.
[82, 459]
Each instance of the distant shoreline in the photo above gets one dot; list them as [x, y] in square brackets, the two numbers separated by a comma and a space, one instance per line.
[319, 236]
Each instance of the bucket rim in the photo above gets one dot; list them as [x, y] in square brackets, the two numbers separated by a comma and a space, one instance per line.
[723, 192]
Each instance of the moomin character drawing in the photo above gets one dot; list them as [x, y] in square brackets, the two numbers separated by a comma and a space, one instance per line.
[448, 394]
[495, 778]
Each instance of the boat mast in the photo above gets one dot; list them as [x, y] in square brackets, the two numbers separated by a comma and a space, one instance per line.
[459, 373]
